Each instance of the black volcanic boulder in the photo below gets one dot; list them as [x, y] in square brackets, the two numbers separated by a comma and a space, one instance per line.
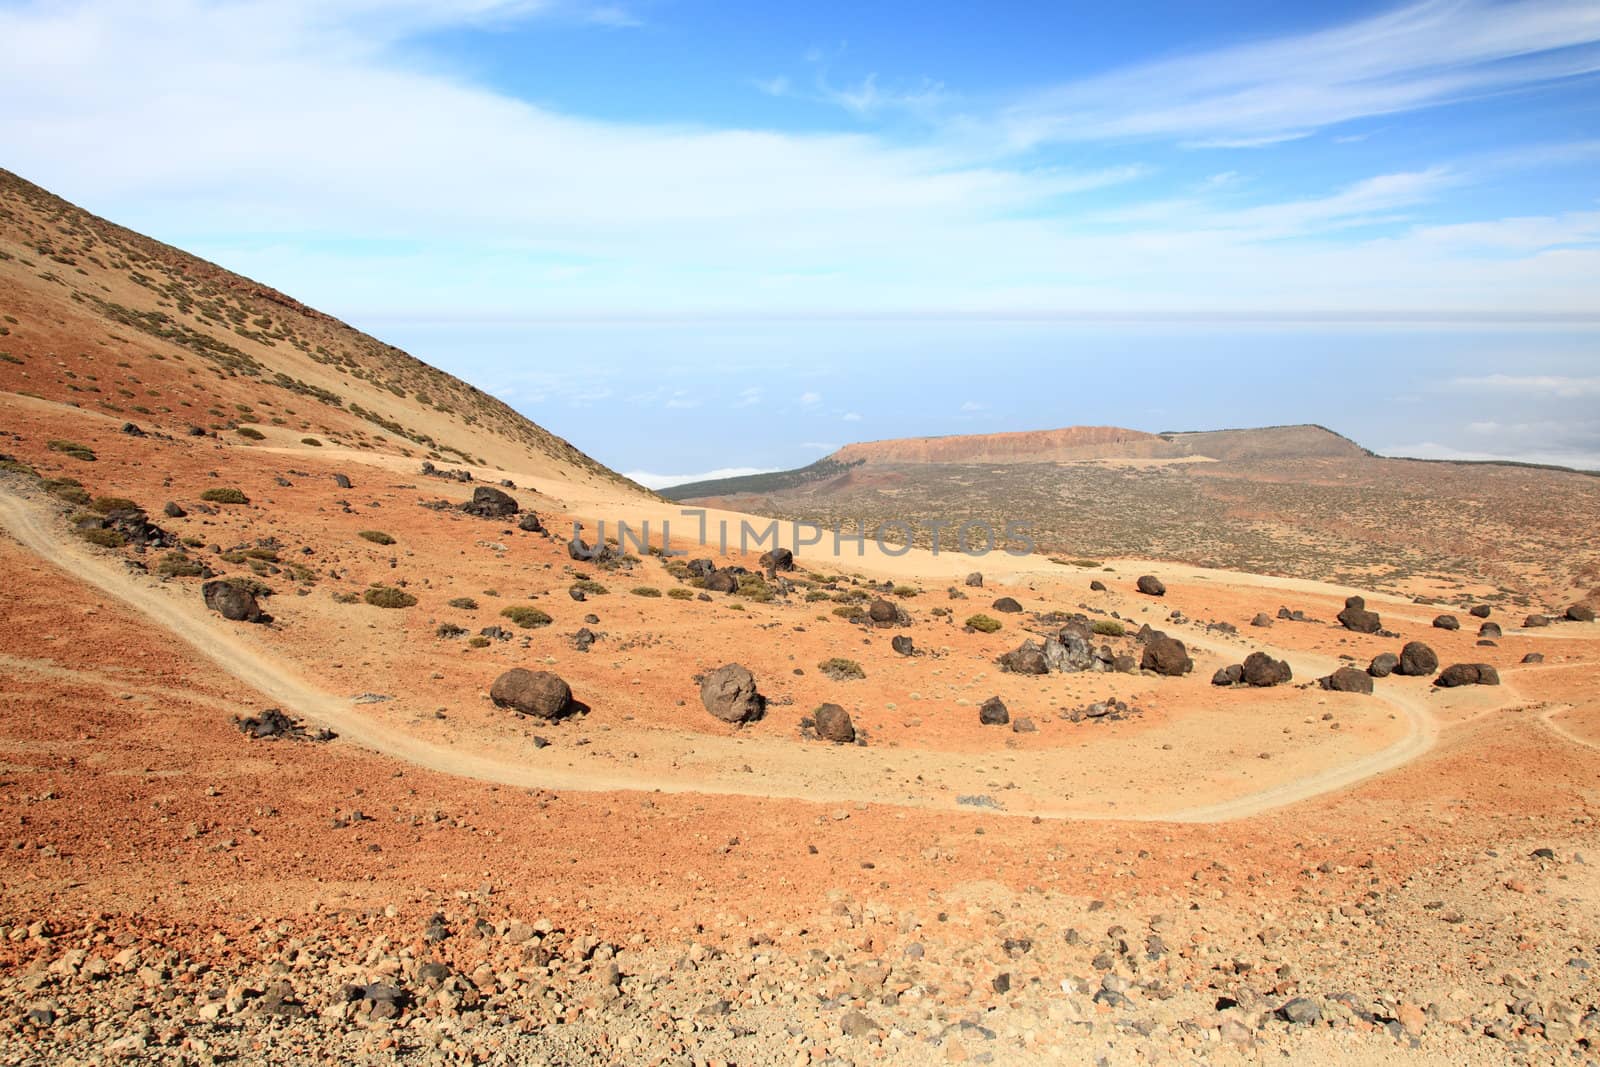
[1489, 629]
[882, 613]
[342, 481]
[729, 693]
[538, 693]
[902, 644]
[1228, 675]
[1480, 611]
[993, 712]
[833, 724]
[721, 582]
[1261, 619]
[1097, 586]
[173, 510]
[1467, 674]
[1150, 585]
[701, 568]
[1580, 613]
[1357, 618]
[1533, 657]
[1028, 658]
[1533, 621]
[1416, 660]
[779, 559]
[1070, 652]
[1007, 605]
[1261, 670]
[1347, 680]
[490, 503]
[1166, 656]
[975, 580]
[529, 523]
[231, 602]
[1383, 664]
[1447, 622]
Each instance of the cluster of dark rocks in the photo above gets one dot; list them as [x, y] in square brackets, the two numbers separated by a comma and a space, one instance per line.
[134, 526]
[1258, 669]
[429, 470]
[273, 725]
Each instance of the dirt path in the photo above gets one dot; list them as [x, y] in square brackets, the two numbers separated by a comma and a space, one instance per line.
[236, 652]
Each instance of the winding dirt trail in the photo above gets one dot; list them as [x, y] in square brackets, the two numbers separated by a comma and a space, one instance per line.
[237, 653]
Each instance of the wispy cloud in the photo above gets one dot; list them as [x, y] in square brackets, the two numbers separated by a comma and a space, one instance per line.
[1418, 56]
[651, 480]
[810, 399]
[1559, 385]
[850, 416]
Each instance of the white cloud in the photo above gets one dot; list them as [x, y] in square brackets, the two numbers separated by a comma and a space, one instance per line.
[749, 397]
[430, 194]
[851, 416]
[810, 399]
[821, 446]
[1560, 457]
[1559, 385]
[973, 405]
[651, 480]
[1418, 56]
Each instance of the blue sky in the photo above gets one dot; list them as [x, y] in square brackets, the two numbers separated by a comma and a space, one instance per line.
[695, 216]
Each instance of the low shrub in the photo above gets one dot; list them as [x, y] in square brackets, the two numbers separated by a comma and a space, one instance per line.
[590, 586]
[312, 441]
[851, 612]
[250, 433]
[386, 596]
[754, 587]
[105, 505]
[906, 591]
[526, 617]
[678, 592]
[347, 598]
[840, 669]
[449, 629]
[465, 603]
[178, 565]
[645, 590]
[255, 588]
[983, 624]
[1108, 628]
[377, 537]
[228, 495]
[73, 449]
[478, 642]
[103, 538]
[67, 490]
[16, 466]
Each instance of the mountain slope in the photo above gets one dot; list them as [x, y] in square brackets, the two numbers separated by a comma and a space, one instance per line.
[101, 317]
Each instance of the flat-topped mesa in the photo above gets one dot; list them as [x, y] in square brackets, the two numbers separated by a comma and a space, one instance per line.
[1026, 446]
[1079, 443]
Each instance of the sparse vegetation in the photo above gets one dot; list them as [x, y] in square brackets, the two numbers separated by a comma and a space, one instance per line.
[312, 441]
[590, 587]
[104, 538]
[678, 592]
[851, 612]
[250, 433]
[840, 669]
[178, 565]
[1108, 628]
[385, 596]
[526, 617]
[646, 591]
[465, 603]
[225, 496]
[984, 624]
[906, 591]
[448, 630]
[478, 642]
[105, 505]
[73, 449]
[377, 537]
[68, 489]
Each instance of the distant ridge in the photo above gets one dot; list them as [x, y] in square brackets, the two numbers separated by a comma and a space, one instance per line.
[1064, 445]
